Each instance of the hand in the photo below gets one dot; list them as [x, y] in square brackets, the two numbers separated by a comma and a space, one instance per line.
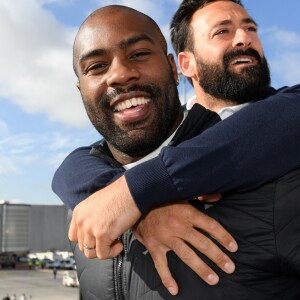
[171, 227]
[210, 198]
[99, 220]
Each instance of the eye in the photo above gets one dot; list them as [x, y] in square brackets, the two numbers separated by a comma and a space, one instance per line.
[96, 67]
[252, 28]
[140, 55]
[222, 31]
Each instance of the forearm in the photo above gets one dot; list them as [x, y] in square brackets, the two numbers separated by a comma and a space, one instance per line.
[252, 147]
[80, 175]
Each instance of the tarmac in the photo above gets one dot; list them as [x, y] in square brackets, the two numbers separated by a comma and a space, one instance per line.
[40, 284]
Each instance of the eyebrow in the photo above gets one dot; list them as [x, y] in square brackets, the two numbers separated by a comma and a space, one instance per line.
[122, 45]
[245, 20]
[90, 54]
[134, 40]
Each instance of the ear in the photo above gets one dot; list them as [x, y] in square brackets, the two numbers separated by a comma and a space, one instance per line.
[78, 85]
[187, 64]
[173, 66]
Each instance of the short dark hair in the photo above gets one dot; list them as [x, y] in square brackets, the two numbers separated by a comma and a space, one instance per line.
[181, 34]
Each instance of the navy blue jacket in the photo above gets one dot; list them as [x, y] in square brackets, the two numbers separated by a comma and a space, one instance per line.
[252, 147]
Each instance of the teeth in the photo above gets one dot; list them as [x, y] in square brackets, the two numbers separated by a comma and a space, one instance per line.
[131, 103]
[241, 60]
[123, 105]
[128, 104]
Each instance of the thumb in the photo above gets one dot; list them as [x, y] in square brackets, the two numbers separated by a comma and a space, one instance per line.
[210, 198]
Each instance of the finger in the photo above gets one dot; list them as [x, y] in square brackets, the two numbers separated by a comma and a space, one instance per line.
[73, 231]
[161, 265]
[207, 247]
[109, 249]
[90, 253]
[80, 238]
[216, 230]
[190, 258]
[89, 247]
[210, 198]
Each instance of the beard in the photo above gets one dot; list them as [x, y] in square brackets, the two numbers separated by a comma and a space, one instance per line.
[136, 141]
[250, 84]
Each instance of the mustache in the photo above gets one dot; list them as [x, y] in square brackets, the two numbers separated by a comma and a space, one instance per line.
[249, 52]
[148, 88]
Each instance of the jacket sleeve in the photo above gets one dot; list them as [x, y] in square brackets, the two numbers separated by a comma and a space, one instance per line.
[254, 146]
[80, 175]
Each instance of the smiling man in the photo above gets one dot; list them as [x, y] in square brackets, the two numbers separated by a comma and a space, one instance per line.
[223, 57]
[123, 100]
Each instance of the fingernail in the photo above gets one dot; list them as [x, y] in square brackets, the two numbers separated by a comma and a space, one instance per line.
[172, 290]
[212, 279]
[233, 246]
[229, 267]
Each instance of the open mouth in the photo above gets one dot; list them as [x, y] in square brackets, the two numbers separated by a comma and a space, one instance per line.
[129, 103]
[244, 60]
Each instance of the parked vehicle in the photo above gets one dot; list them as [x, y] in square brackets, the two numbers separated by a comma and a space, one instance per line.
[53, 264]
[70, 279]
[68, 264]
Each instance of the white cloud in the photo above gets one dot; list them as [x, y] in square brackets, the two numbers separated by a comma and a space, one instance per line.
[59, 2]
[8, 166]
[3, 128]
[20, 143]
[280, 38]
[16, 152]
[36, 63]
[284, 57]
[59, 141]
[29, 149]
[286, 67]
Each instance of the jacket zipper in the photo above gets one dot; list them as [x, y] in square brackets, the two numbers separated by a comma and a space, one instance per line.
[119, 271]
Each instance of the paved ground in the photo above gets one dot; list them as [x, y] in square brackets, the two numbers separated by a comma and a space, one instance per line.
[38, 283]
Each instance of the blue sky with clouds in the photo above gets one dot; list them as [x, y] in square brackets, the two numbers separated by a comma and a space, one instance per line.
[41, 114]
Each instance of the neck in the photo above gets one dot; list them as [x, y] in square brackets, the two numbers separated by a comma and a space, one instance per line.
[122, 157]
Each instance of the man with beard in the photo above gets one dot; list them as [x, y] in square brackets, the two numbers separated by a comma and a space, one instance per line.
[242, 77]
[239, 210]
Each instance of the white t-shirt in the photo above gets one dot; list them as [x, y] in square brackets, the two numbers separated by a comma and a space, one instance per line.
[224, 112]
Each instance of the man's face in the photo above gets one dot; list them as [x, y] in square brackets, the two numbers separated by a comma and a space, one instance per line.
[228, 53]
[127, 82]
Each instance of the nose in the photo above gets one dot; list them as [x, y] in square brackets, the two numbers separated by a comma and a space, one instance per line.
[121, 73]
[242, 39]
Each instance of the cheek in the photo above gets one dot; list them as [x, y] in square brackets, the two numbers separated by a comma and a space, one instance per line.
[211, 53]
[258, 47]
[92, 90]
[256, 44]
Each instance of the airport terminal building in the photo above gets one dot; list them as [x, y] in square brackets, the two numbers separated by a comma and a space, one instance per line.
[32, 228]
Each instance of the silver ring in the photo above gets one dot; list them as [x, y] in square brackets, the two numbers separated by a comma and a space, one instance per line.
[85, 246]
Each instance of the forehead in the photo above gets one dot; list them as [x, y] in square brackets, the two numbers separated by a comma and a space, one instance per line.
[218, 13]
[110, 32]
